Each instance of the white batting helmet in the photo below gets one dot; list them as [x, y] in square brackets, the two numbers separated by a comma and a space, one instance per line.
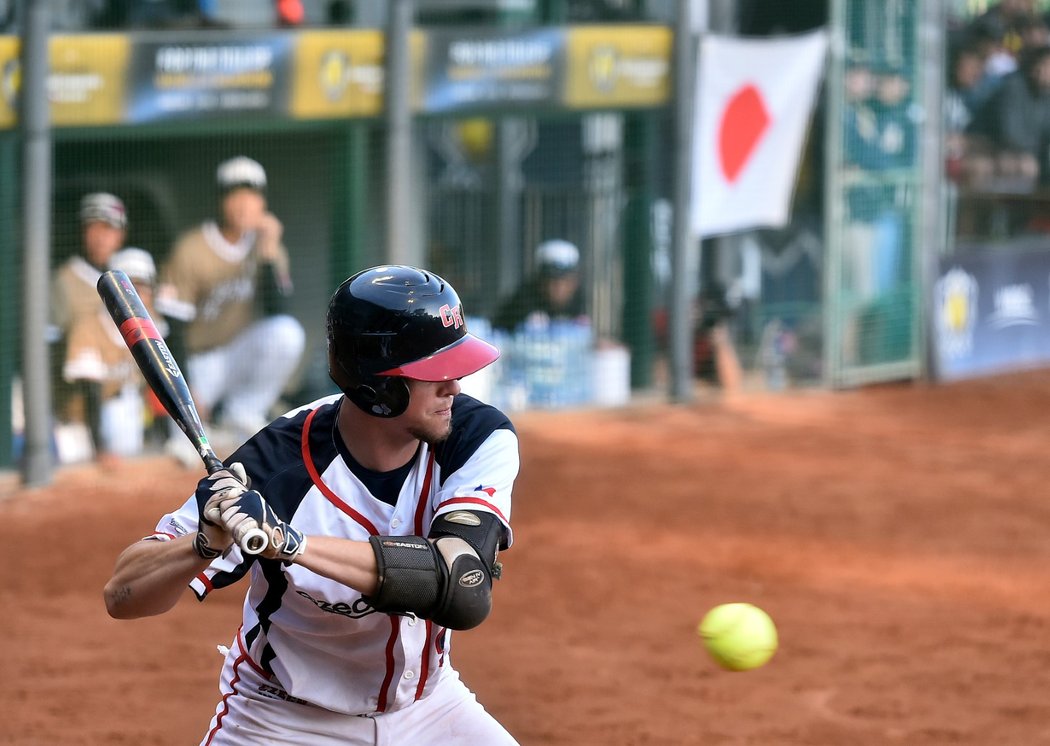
[103, 207]
[241, 172]
[135, 263]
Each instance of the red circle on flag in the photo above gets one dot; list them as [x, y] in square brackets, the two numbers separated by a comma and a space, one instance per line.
[743, 123]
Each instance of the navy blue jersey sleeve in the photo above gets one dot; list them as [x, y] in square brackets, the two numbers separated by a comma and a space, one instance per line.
[472, 422]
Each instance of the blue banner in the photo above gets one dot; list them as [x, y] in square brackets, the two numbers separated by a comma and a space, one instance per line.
[467, 70]
[181, 79]
[991, 311]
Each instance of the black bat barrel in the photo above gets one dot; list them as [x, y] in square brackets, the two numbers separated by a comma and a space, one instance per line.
[154, 359]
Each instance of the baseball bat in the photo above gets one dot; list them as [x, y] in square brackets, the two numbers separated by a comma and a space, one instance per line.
[163, 375]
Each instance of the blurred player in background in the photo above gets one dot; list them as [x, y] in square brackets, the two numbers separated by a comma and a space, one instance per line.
[553, 292]
[385, 508]
[75, 301]
[225, 290]
[99, 361]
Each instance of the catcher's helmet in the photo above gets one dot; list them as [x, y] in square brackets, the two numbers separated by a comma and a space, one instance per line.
[393, 322]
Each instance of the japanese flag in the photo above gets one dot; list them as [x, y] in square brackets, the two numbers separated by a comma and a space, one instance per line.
[754, 99]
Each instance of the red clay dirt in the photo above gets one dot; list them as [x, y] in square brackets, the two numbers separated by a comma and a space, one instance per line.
[899, 536]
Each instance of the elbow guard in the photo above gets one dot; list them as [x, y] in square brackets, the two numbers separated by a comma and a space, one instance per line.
[442, 578]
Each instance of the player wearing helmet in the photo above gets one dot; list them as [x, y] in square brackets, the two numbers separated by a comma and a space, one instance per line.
[386, 506]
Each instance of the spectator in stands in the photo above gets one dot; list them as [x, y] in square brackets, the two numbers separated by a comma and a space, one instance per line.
[103, 221]
[1034, 33]
[879, 137]
[1013, 126]
[965, 72]
[225, 289]
[123, 14]
[98, 360]
[1008, 20]
[553, 292]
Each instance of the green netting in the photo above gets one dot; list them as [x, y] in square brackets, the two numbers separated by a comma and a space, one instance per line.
[877, 182]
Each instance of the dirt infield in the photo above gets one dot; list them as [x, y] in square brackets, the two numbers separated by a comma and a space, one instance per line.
[899, 536]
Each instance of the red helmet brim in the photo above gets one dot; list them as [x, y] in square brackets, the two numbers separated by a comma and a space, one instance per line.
[461, 358]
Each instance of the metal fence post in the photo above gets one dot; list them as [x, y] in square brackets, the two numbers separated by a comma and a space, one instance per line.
[36, 189]
[683, 245]
[401, 239]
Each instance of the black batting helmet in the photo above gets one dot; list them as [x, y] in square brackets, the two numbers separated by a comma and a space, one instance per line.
[394, 322]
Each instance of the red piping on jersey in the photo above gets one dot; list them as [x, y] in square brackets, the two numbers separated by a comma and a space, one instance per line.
[251, 661]
[424, 493]
[206, 581]
[315, 477]
[424, 661]
[421, 504]
[442, 639]
[474, 501]
[395, 627]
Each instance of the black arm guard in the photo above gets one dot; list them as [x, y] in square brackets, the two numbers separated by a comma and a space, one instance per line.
[442, 579]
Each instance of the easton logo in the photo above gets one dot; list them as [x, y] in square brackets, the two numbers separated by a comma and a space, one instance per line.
[471, 579]
[169, 362]
[451, 316]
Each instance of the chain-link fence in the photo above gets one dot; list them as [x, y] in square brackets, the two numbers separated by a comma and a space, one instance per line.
[540, 184]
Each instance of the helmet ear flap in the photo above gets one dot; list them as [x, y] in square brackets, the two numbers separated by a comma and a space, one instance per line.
[383, 397]
[380, 396]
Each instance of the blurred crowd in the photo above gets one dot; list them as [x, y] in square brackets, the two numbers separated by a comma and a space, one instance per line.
[88, 15]
[997, 108]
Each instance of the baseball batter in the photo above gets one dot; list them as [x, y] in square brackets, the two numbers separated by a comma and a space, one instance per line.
[385, 505]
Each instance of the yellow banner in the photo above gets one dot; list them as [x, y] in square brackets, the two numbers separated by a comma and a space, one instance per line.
[618, 66]
[10, 81]
[337, 74]
[86, 84]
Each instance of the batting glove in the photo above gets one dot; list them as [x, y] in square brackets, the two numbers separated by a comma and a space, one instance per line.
[241, 511]
[212, 536]
[286, 543]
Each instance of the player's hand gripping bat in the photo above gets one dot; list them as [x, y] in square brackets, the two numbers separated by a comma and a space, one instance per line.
[163, 375]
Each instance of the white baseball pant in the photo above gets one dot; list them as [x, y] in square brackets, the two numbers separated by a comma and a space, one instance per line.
[252, 712]
[121, 422]
[248, 374]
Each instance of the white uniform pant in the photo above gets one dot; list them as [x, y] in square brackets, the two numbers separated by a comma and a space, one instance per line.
[248, 374]
[121, 422]
[254, 711]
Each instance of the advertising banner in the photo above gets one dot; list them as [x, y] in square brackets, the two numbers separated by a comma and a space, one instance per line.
[179, 79]
[10, 81]
[338, 74]
[467, 71]
[618, 66]
[991, 311]
[86, 84]
[151, 77]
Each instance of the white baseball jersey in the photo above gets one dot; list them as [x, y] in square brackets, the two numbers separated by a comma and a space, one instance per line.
[319, 640]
